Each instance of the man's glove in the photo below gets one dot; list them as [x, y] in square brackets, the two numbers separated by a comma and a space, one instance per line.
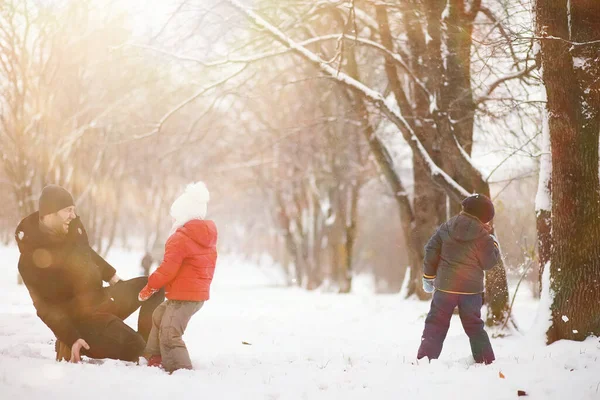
[146, 293]
[428, 285]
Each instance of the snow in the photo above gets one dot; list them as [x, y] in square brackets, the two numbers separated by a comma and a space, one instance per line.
[302, 345]
[543, 319]
[580, 62]
[446, 12]
[428, 37]
[569, 19]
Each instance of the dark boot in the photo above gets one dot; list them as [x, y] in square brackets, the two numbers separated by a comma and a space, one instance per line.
[63, 352]
[155, 361]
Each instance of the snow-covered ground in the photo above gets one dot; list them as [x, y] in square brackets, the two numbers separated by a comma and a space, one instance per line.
[301, 346]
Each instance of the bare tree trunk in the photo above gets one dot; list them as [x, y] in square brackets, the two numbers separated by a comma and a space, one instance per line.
[543, 207]
[351, 226]
[428, 216]
[429, 200]
[455, 120]
[293, 249]
[570, 74]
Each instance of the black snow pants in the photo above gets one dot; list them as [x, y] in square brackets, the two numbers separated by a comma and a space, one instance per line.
[438, 322]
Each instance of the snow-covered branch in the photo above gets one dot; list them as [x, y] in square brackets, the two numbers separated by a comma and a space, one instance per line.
[550, 37]
[374, 97]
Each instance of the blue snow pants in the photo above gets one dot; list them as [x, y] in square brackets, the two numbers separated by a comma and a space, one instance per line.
[438, 322]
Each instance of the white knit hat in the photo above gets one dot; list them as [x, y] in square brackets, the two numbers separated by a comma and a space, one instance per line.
[191, 204]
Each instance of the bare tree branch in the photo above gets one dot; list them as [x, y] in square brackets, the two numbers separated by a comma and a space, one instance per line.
[375, 98]
[184, 103]
[396, 57]
[499, 81]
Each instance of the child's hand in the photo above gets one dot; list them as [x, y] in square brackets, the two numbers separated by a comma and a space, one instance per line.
[428, 285]
[496, 242]
[146, 293]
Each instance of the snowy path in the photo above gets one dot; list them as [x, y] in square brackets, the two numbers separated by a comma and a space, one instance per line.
[303, 346]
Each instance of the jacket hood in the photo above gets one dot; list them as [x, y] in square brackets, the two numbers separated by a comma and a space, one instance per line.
[465, 228]
[203, 232]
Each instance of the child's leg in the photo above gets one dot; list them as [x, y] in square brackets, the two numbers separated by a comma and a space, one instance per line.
[469, 309]
[153, 344]
[437, 324]
[174, 322]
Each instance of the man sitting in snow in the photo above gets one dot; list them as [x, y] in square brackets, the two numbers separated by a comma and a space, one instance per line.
[455, 258]
[64, 277]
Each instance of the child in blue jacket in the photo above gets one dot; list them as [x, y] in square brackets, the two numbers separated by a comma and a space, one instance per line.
[456, 257]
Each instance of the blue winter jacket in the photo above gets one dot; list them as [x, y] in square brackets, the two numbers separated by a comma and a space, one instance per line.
[458, 253]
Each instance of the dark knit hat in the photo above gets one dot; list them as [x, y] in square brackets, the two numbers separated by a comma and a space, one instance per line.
[479, 206]
[54, 198]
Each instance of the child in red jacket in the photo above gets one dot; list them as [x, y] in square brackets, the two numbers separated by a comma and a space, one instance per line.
[186, 274]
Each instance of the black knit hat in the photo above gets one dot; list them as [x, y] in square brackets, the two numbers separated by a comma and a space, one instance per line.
[479, 206]
[54, 198]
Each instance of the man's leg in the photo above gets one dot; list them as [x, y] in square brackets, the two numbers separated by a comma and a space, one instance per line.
[437, 324]
[469, 309]
[174, 322]
[109, 337]
[125, 295]
[153, 342]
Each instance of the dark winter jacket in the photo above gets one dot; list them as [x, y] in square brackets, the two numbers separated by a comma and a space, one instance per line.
[458, 253]
[64, 277]
[189, 263]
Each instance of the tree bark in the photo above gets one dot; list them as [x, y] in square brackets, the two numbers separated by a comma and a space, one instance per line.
[543, 207]
[351, 228]
[427, 197]
[570, 75]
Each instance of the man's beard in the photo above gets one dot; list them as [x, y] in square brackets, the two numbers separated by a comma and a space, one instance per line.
[57, 232]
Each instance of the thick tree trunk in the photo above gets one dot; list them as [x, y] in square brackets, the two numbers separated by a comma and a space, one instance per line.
[543, 210]
[570, 74]
[457, 92]
[428, 198]
[428, 205]
[457, 103]
[449, 80]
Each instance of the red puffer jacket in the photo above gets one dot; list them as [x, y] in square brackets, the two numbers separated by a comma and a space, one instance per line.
[189, 263]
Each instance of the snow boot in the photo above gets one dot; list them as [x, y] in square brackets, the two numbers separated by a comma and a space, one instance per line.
[63, 352]
[155, 361]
